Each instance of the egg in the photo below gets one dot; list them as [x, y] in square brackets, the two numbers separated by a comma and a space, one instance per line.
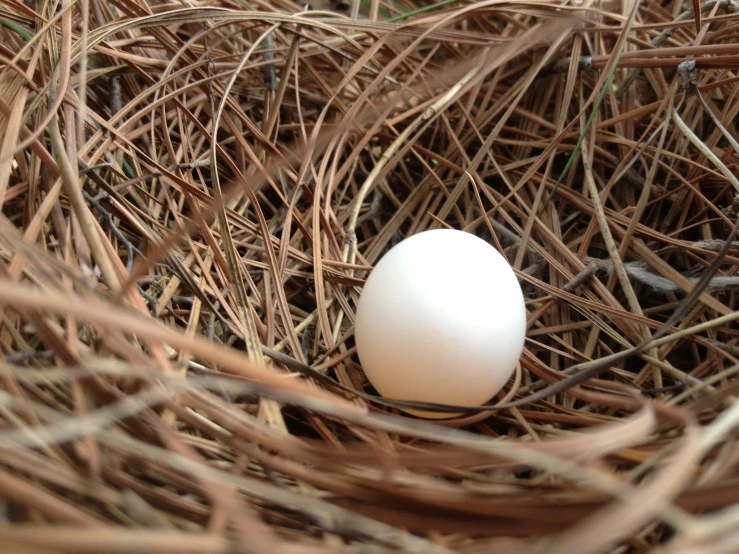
[441, 319]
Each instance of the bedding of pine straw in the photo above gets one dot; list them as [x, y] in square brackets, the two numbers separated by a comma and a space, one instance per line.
[193, 193]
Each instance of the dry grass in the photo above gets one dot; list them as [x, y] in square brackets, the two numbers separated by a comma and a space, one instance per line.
[192, 195]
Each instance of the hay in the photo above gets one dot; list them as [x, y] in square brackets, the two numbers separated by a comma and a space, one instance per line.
[192, 195]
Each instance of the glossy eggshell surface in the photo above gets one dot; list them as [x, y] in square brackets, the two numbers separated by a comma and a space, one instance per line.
[441, 319]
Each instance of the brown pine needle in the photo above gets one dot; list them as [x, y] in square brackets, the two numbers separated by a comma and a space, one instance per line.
[193, 195]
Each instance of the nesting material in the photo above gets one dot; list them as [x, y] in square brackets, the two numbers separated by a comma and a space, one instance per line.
[194, 196]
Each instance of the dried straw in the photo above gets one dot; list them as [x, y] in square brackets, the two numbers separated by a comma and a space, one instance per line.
[193, 194]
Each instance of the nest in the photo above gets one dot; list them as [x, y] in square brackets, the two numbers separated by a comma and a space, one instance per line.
[193, 194]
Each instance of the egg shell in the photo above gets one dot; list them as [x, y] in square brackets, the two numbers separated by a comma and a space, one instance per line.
[441, 319]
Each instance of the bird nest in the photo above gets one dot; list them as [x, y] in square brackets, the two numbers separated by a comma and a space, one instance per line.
[193, 194]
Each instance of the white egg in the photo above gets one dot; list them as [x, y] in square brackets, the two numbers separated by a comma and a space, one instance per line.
[441, 319]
